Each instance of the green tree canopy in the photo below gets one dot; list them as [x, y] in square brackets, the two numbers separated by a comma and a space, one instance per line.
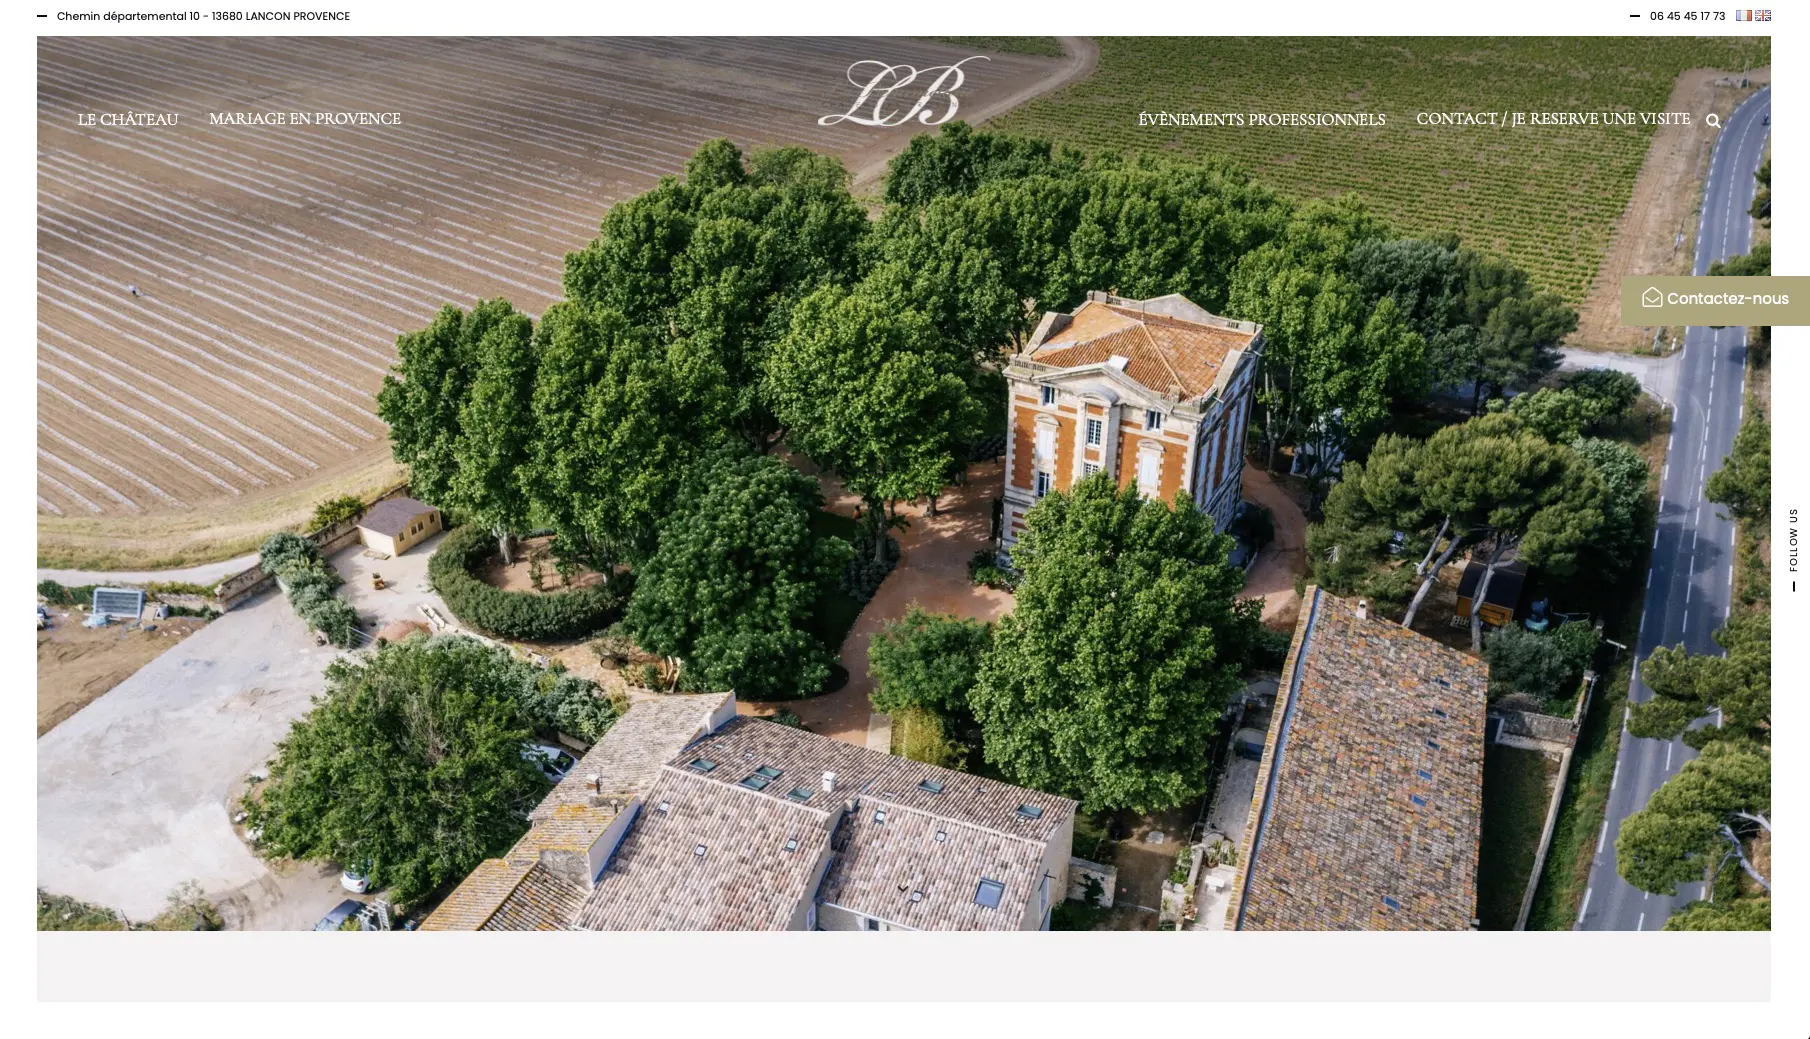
[1628, 506]
[958, 160]
[718, 260]
[1744, 483]
[874, 394]
[1509, 333]
[1488, 478]
[457, 404]
[1689, 686]
[1714, 803]
[927, 660]
[411, 761]
[1493, 477]
[738, 578]
[1523, 662]
[1755, 264]
[1106, 681]
[1741, 914]
[614, 434]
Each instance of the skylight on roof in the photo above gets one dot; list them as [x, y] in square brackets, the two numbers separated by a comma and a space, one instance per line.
[1433, 743]
[1028, 811]
[663, 806]
[989, 893]
[917, 896]
[791, 844]
[770, 772]
[756, 782]
[1438, 712]
[1443, 682]
[1391, 903]
[701, 765]
[1418, 800]
[931, 786]
[880, 815]
[941, 836]
[699, 851]
[1423, 773]
[800, 793]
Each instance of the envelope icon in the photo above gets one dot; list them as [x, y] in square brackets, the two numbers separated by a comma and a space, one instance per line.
[1652, 297]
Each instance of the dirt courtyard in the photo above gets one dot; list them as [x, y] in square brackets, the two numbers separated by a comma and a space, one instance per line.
[77, 664]
[1273, 576]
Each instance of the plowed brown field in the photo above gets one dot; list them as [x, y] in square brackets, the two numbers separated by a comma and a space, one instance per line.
[275, 265]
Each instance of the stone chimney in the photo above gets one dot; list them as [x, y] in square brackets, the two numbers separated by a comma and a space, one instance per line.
[829, 782]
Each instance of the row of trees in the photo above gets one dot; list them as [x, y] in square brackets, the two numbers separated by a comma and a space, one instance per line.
[753, 300]
[1106, 681]
[1355, 320]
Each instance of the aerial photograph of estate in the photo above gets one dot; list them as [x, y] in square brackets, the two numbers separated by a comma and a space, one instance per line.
[971, 484]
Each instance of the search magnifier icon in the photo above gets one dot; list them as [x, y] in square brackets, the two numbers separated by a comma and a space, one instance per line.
[1714, 120]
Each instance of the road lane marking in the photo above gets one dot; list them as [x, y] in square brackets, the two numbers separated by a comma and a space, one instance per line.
[1731, 576]
[1602, 837]
[1641, 923]
[1585, 908]
[1616, 776]
[1668, 757]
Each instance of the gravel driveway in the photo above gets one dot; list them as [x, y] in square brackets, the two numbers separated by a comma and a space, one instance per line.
[133, 788]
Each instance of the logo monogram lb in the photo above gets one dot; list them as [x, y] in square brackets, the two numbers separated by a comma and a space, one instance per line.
[879, 80]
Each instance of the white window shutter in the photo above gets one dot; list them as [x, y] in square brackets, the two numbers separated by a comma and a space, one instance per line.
[1150, 469]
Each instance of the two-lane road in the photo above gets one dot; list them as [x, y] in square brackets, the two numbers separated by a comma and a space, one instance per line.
[1689, 584]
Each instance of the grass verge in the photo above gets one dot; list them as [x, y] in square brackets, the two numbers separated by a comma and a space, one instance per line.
[1517, 787]
[1568, 860]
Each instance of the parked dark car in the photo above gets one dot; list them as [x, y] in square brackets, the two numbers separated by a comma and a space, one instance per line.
[339, 914]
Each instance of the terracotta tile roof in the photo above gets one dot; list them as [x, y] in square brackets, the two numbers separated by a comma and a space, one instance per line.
[1371, 783]
[663, 883]
[745, 879]
[572, 817]
[1165, 353]
[629, 756]
[884, 864]
[542, 901]
[476, 899]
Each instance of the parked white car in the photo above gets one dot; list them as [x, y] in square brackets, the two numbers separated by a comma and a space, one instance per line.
[356, 879]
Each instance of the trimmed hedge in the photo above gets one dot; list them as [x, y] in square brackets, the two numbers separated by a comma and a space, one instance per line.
[514, 615]
[297, 563]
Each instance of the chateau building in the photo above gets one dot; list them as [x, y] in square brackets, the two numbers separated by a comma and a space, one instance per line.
[1156, 391]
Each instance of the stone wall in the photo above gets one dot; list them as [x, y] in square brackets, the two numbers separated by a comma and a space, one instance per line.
[246, 583]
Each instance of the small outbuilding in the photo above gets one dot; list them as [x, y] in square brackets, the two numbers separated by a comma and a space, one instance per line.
[395, 525]
[1504, 592]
